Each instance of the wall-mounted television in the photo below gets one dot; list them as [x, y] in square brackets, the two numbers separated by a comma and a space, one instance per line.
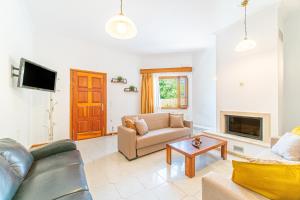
[35, 76]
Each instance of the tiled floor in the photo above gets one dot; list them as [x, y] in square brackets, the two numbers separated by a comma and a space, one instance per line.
[112, 177]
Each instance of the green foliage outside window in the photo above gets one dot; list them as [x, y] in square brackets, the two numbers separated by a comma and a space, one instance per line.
[168, 88]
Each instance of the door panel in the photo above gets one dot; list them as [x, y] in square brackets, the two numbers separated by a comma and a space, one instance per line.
[88, 104]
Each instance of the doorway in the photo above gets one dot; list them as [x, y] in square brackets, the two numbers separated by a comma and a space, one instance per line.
[88, 104]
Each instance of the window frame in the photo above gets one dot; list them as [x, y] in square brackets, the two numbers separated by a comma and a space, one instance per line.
[179, 106]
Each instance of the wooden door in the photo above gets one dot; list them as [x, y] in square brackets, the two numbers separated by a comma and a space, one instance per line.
[88, 104]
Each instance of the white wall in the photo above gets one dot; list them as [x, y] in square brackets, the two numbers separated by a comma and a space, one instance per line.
[15, 42]
[291, 94]
[167, 61]
[64, 52]
[204, 88]
[248, 82]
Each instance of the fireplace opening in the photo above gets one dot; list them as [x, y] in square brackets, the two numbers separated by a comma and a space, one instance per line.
[249, 127]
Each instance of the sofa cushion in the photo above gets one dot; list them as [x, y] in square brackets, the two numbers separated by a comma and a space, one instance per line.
[53, 184]
[84, 195]
[161, 136]
[288, 147]
[54, 162]
[141, 127]
[276, 181]
[130, 123]
[176, 121]
[269, 155]
[9, 181]
[16, 155]
[156, 120]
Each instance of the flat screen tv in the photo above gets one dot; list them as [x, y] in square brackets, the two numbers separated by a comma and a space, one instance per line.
[35, 76]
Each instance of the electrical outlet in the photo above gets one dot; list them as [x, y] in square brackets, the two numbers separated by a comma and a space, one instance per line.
[238, 149]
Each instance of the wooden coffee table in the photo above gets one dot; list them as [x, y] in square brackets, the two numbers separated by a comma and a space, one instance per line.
[190, 152]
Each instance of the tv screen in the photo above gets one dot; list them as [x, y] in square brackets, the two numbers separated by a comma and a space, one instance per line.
[35, 76]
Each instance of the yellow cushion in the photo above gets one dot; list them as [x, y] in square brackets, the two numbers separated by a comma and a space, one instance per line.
[296, 130]
[274, 181]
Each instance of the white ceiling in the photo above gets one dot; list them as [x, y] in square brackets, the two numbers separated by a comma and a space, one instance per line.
[163, 25]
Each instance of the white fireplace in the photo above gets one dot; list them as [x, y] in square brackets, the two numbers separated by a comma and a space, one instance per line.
[247, 125]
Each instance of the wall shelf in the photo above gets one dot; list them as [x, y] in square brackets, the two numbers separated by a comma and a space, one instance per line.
[135, 90]
[119, 80]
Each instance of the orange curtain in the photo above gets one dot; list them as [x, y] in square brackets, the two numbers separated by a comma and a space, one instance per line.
[147, 96]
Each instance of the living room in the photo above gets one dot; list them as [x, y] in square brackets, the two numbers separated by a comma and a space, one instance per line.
[183, 70]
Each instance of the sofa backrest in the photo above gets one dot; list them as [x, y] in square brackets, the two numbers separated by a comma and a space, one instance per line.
[9, 182]
[17, 156]
[154, 120]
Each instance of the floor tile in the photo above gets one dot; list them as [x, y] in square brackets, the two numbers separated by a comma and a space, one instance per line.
[168, 191]
[128, 187]
[106, 192]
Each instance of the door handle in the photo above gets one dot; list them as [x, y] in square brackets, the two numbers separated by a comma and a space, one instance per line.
[102, 106]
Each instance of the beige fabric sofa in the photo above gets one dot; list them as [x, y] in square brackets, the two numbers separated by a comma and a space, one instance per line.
[217, 187]
[131, 145]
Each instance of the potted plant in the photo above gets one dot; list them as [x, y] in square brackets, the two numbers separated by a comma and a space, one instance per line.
[120, 78]
[132, 88]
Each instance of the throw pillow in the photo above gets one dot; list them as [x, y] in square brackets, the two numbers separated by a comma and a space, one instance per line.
[288, 147]
[141, 127]
[296, 130]
[130, 123]
[176, 121]
[273, 181]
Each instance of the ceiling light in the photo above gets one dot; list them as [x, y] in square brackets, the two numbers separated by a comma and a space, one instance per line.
[120, 26]
[245, 44]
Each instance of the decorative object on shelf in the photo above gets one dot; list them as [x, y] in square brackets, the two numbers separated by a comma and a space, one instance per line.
[245, 44]
[119, 79]
[131, 89]
[120, 26]
[196, 142]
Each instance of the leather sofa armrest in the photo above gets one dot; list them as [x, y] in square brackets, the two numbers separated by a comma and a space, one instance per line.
[216, 187]
[127, 142]
[53, 148]
[188, 124]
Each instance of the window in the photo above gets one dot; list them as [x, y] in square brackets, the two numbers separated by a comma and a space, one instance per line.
[173, 92]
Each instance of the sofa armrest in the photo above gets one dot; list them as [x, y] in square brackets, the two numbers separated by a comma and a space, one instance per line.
[188, 124]
[53, 148]
[274, 140]
[127, 142]
[216, 187]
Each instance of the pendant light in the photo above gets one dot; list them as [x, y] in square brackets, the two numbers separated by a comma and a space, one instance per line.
[246, 44]
[120, 26]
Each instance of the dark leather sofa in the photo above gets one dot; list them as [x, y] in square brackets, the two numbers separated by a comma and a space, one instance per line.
[53, 171]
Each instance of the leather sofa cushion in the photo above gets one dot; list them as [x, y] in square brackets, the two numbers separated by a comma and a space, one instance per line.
[54, 162]
[53, 184]
[85, 195]
[16, 155]
[161, 136]
[9, 181]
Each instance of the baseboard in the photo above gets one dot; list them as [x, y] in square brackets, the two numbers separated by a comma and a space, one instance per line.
[111, 133]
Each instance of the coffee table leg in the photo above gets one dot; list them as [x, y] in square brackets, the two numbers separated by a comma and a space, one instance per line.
[190, 166]
[224, 151]
[169, 155]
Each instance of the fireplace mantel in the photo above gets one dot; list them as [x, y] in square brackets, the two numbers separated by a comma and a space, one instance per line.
[265, 118]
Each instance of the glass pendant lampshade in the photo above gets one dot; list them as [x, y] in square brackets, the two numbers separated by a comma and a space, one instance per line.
[245, 44]
[120, 26]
